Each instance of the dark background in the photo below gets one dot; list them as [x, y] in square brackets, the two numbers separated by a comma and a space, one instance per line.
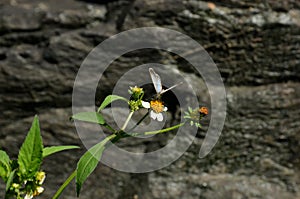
[255, 44]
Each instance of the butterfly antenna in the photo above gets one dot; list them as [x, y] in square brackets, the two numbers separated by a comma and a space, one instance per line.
[171, 87]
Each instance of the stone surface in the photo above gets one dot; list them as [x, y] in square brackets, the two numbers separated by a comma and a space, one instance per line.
[254, 44]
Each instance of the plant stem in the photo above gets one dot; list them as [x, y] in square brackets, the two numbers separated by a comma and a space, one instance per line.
[64, 185]
[109, 128]
[139, 122]
[127, 120]
[154, 132]
[164, 130]
[114, 138]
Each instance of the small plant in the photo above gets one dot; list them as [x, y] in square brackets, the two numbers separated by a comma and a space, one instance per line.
[155, 106]
[24, 177]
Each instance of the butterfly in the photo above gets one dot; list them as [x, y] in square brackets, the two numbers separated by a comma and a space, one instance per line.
[156, 80]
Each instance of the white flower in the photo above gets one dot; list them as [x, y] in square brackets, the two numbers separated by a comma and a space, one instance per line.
[158, 116]
[146, 104]
[38, 191]
[28, 196]
[157, 107]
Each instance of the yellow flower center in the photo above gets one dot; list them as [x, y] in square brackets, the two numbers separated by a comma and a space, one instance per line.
[157, 106]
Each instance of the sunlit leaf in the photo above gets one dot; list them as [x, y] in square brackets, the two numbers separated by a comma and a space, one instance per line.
[54, 149]
[89, 161]
[109, 99]
[92, 117]
[31, 152]
[5, 168]
[10, 179]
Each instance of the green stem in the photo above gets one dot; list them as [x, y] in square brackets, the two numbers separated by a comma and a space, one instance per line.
[154, 132]
[114, 138]
[64, 185]
[164, 130]
[140, 121]
[109, 128]
[127, 120]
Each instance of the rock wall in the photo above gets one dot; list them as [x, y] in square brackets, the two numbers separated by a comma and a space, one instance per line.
[255, 45]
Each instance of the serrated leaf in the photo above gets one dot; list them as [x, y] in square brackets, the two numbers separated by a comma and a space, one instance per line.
[92, 117]
[89, 161]
[5, 167]
[54, 149]
[10, 179]
[109, 99]
[31, 152]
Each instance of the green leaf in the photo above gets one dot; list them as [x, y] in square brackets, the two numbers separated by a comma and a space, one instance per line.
[89, 161]
[109, 99]
[93, 117]
[31, 152]
[54, 149]
[5, 168]
[10, 179]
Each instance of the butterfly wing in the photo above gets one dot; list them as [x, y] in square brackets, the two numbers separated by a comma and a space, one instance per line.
[156, 80]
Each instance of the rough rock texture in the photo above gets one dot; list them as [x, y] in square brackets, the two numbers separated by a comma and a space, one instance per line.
[255, 45]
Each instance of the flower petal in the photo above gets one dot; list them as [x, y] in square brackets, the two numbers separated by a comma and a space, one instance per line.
[153, 115]
[40, 189]
[28, 196]
[145, 104]
[165, 108]
[159, 117]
